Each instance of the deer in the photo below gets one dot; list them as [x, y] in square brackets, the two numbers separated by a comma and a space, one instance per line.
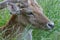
[26, 15]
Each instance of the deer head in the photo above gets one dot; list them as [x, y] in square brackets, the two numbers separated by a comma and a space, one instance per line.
[32, 14]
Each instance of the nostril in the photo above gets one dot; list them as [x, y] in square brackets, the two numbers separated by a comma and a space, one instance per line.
[50, 25]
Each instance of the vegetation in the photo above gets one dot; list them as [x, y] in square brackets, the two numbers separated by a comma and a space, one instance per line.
[52, 10]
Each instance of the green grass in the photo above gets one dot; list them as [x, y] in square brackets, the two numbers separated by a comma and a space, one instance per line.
[4, 16]
[52, 10]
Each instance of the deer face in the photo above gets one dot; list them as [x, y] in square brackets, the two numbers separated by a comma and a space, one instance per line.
[36, 18]
[33, 14]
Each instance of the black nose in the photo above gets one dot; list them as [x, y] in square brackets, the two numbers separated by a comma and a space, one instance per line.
[50, 25]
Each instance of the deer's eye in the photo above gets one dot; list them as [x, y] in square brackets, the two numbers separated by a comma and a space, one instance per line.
[30, 13]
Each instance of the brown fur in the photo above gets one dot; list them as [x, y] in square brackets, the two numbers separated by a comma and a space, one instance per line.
[38, 20]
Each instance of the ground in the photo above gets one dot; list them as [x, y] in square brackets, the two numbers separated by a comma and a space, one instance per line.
[52, 10]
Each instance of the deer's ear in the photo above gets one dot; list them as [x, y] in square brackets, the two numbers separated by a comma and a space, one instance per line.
[3, 4]
[13, 1]
[13, 8]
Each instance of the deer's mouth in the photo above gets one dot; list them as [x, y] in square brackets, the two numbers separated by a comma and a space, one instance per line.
[46, 26]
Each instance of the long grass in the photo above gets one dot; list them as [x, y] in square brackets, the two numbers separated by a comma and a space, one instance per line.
[52, 10]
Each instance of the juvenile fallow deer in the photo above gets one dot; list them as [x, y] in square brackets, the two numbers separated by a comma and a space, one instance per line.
[24, 13]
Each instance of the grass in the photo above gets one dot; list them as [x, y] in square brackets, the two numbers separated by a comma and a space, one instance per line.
[52, 10]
